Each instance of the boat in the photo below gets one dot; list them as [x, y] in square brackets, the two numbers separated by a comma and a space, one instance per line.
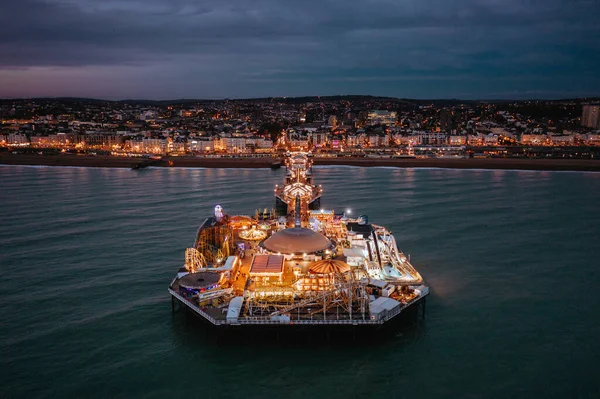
[275, 165]
[296, 264]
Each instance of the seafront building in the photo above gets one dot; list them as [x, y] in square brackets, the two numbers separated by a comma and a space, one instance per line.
[328, 127]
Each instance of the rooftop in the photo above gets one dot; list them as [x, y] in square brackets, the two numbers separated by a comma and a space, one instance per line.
[267, 264]
[297, 240]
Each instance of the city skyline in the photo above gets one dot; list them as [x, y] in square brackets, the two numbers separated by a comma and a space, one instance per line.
[160, 50]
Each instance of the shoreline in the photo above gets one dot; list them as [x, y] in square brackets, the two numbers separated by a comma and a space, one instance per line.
[106, 161]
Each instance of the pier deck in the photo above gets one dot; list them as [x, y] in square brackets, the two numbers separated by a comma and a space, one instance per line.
[218, 318]
[309, 267]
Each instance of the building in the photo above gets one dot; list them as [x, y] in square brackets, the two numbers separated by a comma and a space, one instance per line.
[147, 145]
[562, 140]
[533, 139]
[457, 140]
[379, 117]
[379, 140]
[200, 145]
[490, 139]
[232, 144]
[591, 116]
[156, 146]
[16, 139]
[432, 138]
[353, 140]
[319, 139]
[336, 143]
[299, 143]
[55, 140]
[105, 140]
[405, 139]
[259, 142]
[178, 145]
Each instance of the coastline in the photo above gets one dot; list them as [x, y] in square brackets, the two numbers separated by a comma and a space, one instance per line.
[589, 165]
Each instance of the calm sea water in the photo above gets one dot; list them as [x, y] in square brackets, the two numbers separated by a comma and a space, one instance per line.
[512, 257]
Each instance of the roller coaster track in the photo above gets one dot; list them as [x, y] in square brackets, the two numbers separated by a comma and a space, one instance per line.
[392, 254]
[336, 291]
[194, 260]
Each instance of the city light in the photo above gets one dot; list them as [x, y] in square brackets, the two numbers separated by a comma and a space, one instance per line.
[375, 130]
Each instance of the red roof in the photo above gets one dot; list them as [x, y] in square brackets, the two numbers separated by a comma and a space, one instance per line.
[272, 264]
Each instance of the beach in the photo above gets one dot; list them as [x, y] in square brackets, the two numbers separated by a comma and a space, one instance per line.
[107, 161]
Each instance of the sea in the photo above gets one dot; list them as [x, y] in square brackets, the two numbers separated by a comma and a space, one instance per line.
[512, 258]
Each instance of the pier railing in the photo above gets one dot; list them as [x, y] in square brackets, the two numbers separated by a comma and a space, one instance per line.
[196, 309]
[258, 320]
[306, 322]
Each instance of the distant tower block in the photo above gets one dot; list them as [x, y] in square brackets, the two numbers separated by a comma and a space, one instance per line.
[591, 116]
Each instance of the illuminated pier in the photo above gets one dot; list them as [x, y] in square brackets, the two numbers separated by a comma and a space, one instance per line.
[296, 265]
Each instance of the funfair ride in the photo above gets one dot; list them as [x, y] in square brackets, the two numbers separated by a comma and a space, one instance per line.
[297, 264]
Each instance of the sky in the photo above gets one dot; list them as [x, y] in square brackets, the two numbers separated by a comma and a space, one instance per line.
[172, 49]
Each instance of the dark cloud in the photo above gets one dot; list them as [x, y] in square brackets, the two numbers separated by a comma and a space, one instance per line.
[238, 48]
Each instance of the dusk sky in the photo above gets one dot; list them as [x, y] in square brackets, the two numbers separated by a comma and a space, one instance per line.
[168, 49]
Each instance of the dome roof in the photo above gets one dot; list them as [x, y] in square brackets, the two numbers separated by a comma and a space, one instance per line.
[297, 240]
[200, 280]
[329, 266]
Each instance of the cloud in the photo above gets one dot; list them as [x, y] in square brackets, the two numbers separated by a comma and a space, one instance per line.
[230, 45]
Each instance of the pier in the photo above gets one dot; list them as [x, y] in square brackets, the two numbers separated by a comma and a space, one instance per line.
[296, 265]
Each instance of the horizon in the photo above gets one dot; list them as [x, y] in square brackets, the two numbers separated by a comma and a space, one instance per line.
[472, 50]
[174, 100]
